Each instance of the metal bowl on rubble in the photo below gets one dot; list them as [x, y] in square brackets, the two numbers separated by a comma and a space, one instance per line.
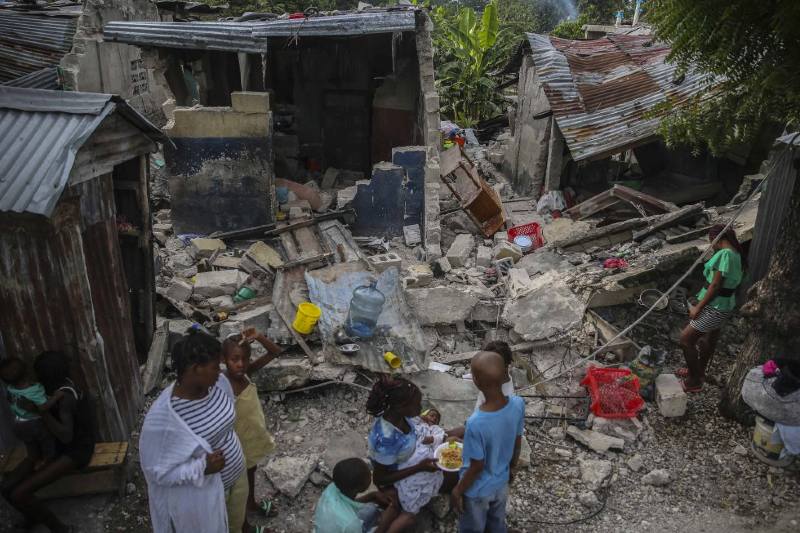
[349, 349]
[650, 296]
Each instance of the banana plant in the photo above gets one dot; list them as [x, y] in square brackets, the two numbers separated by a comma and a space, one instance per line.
[468, 50]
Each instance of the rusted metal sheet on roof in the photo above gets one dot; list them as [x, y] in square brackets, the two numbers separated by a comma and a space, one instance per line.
[604, 92]
[252, 37]
[32, 42]
[46, 78]
[222, 36]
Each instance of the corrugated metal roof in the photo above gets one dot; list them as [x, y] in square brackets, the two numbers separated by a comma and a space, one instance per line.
[253, 36]
[30, 42]
[46, 78]
[40, 132]
[603, 91]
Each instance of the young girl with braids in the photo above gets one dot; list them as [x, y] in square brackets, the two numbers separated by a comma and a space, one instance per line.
[397, 403]
[189, 452]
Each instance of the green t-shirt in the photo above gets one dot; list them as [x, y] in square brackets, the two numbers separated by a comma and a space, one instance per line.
[729, 263]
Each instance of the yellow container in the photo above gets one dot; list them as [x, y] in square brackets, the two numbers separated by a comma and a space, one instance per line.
[392, 360]
[306, 318]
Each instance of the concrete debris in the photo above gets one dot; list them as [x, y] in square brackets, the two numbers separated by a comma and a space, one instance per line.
[257, 317]
[419, 275]
[260, 256]
[595, 471]
[180, 290]
[460, 250]
[595, 440]
[670, 396]
[412, 235]
[557, 433]
[519, 282]
[525, 453]
[329, 372]
[623, 428]
[507, 249]
[329, 178]
[227, 262]
[383, 262]
[219, 283]
[441, 266]
[483, 257]
[342, 445]
[440, 506]
[283, 374]
[202, 248]
[441, 305]
[635, 463]
[220, 302]
[486, 311]
[181, 261]
[500, 236]
[166, 229]
[289, 474]
[542, 261]
[549, 308]
[657, 478]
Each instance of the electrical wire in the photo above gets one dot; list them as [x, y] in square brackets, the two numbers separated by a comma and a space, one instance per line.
[697, 261]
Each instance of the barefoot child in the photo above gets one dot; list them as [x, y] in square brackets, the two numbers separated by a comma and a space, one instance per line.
[491, 449]
[250, 425]
[340, 509]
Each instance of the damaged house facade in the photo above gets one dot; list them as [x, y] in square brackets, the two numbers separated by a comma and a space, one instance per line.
[76, 265]
[60, 46]
[588, 115]
[260, 100]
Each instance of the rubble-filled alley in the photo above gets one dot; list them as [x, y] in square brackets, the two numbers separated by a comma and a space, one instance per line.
[312, 192]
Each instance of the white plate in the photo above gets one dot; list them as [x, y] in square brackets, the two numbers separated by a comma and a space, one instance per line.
[439, 449]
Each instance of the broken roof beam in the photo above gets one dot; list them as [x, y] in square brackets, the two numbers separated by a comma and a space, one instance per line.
[614, 195]
[670, 219]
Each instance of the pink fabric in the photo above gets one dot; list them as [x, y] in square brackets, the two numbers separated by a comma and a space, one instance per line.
[769, 369]
[615, 262]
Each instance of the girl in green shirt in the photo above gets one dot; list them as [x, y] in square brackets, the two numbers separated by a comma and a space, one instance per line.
[716, 301]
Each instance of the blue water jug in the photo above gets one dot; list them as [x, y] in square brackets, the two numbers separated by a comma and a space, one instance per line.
[365, 309]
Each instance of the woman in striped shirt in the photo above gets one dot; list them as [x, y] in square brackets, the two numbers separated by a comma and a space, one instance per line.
[190, 454]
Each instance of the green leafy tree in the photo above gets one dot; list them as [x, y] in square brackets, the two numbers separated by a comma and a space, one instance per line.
[753, 47]
[571, 29]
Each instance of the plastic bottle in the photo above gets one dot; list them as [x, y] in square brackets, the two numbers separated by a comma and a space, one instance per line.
[365, 308]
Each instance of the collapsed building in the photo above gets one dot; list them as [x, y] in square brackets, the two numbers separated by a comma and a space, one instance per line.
[76, 259]
[60, 46]
[257, 100]
[588, 116]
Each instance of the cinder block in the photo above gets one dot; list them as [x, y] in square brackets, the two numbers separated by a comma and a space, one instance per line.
[460, 250]
[382, 262]
[507, 249]
[412, 235]
[250, 102]
[202, 248]
[419, 275]
[500, 236]
[670, 397]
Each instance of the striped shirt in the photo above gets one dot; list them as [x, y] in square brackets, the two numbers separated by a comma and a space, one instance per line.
[212, 418]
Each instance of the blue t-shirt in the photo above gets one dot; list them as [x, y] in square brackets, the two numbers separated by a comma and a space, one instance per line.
[490, 438]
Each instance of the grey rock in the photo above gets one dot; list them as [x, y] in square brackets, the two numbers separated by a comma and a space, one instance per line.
[595, 471]
[219, 283]
[588, 499]
[284, 373]
[595, 440]
[657, 478]
[441, 305]
[635, 463]
[289, 474]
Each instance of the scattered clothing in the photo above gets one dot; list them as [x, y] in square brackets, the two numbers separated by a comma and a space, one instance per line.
[35, 393]
[758, 392]
[507, 388]
[729, 263]
[710, 319]
[490, 437]
[615, 262]
[173, 459]
[487, 513]
[388, 445]
[336, 513]
[414, 492]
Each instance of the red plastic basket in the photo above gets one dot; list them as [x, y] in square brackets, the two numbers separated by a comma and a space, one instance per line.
[532, 230]
[614, 392]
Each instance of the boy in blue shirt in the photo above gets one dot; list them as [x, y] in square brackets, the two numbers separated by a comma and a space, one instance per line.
[491, 449]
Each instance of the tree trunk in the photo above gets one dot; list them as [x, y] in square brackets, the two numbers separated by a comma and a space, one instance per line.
[772, 312]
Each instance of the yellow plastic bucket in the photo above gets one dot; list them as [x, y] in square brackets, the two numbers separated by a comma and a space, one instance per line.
[306, 318]
[392, 360]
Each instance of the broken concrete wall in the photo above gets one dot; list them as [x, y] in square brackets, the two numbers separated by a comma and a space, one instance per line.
[429, 120]
[97, 66]
[526, 158]
[220, 173]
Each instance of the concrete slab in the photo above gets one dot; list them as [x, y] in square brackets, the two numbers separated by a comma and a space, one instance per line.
[453, 397]
[548, 309]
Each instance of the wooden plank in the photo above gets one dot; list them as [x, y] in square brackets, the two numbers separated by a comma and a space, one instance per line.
[698, 233]
[307, 242]
[151, 377]
[634, 196]
[449, 160]
[623, 347]
[285, 280]
[307, 260]
[668, 220]
[596, 203]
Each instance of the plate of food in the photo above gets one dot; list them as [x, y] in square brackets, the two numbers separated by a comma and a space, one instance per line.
[448, 456]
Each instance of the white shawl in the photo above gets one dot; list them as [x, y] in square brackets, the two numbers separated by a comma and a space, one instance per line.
[173, 458]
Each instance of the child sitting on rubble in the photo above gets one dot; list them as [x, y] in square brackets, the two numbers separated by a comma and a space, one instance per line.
[250, 425]
[340, 509]
[503, 350]
[28, 400]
